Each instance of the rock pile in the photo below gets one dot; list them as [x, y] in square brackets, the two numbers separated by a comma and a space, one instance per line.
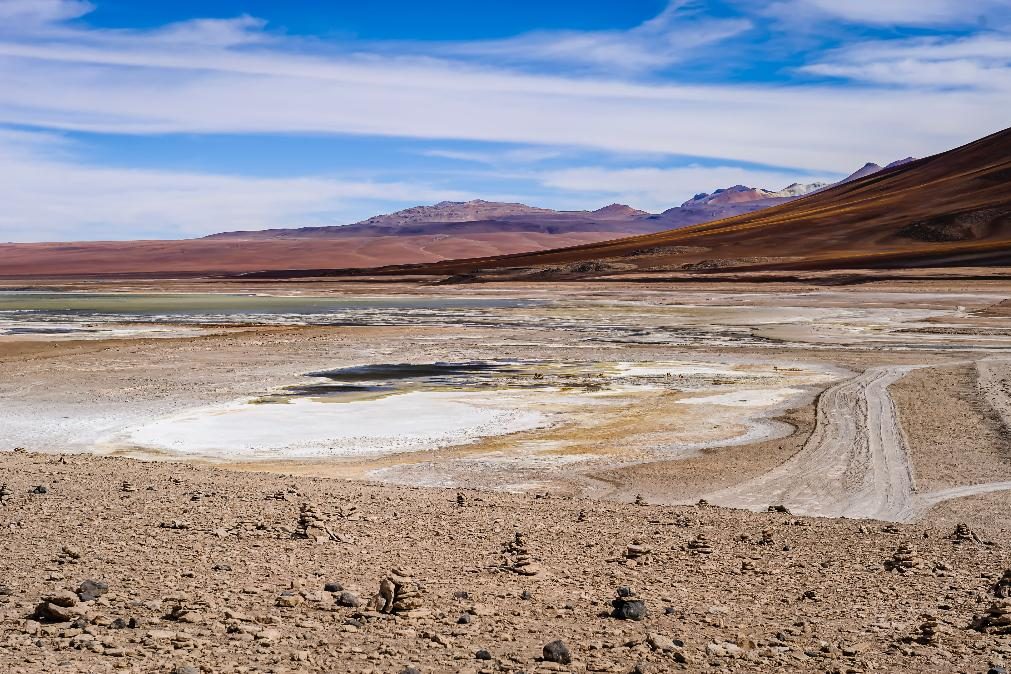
[517, 557]
[636, 549]
[930, 631]
[5, 494]
[963, 534]
[461, 500]
[767, 538]
[904, 559]
[399, 594]
[639, 500]
[313, 526]
[127, 487]
[1003, 587]
[779, 509]
[58, 607]
[700, 545]
[996, 620]
[626, 607]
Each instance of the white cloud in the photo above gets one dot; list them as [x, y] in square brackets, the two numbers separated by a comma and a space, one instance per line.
[657, 189]
[522, 155]
[981, 62]
[893, 12]
[94, 84]
[49, 196]
[41, 12]
[234, 76]
[672, 36]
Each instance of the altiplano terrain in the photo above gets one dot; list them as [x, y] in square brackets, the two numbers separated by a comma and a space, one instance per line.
[788, 478]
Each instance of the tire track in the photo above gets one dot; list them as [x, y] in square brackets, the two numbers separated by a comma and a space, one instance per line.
[856, 462]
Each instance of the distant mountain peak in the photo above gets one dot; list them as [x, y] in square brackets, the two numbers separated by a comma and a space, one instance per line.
[618, 211]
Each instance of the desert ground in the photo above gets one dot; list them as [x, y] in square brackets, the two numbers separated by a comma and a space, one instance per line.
[789, 476]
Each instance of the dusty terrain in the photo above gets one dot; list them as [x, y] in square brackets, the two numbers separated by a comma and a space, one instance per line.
[877, 415]
[203, 570]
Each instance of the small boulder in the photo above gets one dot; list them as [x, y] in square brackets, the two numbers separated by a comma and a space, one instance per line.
[557, 651]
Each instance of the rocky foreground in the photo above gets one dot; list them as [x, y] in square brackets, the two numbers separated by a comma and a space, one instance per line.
[111, 564]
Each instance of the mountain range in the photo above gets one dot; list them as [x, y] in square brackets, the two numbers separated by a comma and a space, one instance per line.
[948, 210]
[421, 234]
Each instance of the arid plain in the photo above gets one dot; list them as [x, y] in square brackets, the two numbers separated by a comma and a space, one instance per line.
[217, 452]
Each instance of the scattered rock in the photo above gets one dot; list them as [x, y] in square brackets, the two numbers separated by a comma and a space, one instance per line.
[91, 590]
[289, 599]
[347, 599]
[1003, 587]
[557, 651]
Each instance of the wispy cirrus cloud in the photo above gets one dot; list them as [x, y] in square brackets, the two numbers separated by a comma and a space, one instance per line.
[979, 62]
[674, 35]
[893, 12]
[81, 79]
[558, 96]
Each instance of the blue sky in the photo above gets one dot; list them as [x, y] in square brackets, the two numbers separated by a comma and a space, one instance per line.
[126, 119]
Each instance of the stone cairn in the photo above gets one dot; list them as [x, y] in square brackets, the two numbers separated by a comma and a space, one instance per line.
[639, 500]
[461, 500]
[517, 557]
[127, 487]
[700, 545]
[313, 526]
[702, 503]
[766, 538]
[930, 631]
[398, 593]
[996, 620]
[963, 534]
[637, 550]
[582, 516]
[5, 494]
[626, 606]
[1003, 587]
[748, 566]
[904, 560]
